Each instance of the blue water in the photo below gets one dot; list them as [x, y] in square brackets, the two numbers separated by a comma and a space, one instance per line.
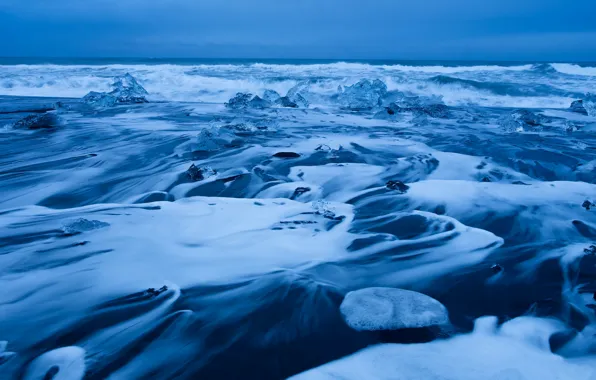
[186, 232]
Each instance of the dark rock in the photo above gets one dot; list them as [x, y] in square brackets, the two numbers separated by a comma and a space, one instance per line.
[40, 121]
[286, 155]
[286, 102]
[578, 107]
[591, 250]
[195, 173]
[496, 268]
[587, 205]
[155, 292]
[398, 186]
[299, 191]
[520, 183]
[323, 148]
[486, 179]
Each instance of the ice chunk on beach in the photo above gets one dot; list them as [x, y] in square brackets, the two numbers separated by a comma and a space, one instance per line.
[100, 99]
[243, 100]
[271, 96]
[420, 106]
[363, 95]
[128, 84]
[239, 101]
[391, 309]
[66, 363]
[126, 90]
[590, 104]
[296, 95]
[520, 121]
[46, 120]
[577, 106]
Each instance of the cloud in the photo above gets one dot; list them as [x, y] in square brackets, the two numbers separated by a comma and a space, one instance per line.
[304, 28]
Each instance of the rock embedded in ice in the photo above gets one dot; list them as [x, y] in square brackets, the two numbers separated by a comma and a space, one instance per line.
[398, 186]
[363, 95]
[195, 173]
[66, 363]
[591, 250]
[588, 205]
[46, 120]
[578, 107]
[391, 309]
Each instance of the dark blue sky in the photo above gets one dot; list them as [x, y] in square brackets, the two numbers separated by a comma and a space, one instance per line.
[334, 29]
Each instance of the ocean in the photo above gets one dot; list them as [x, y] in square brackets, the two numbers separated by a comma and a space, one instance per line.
[272, 219]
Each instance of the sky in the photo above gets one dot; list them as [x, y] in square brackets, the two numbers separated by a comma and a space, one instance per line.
[507, 30]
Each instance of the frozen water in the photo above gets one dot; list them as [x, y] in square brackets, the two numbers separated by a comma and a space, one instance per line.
[126, 90]
[271, 96]
[363, 95]
[186, 239]
[391, 309]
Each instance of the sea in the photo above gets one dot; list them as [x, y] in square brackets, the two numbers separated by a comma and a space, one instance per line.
[303, 219]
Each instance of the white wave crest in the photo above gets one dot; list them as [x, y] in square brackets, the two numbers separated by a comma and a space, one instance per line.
[215, 83]
[572, 69]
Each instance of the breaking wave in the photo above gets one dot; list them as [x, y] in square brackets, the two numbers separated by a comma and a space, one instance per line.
[485, 85]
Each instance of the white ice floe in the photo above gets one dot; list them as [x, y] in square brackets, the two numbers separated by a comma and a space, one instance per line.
[391, 309]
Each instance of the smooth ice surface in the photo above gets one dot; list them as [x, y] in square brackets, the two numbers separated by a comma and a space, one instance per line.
[391, 309]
